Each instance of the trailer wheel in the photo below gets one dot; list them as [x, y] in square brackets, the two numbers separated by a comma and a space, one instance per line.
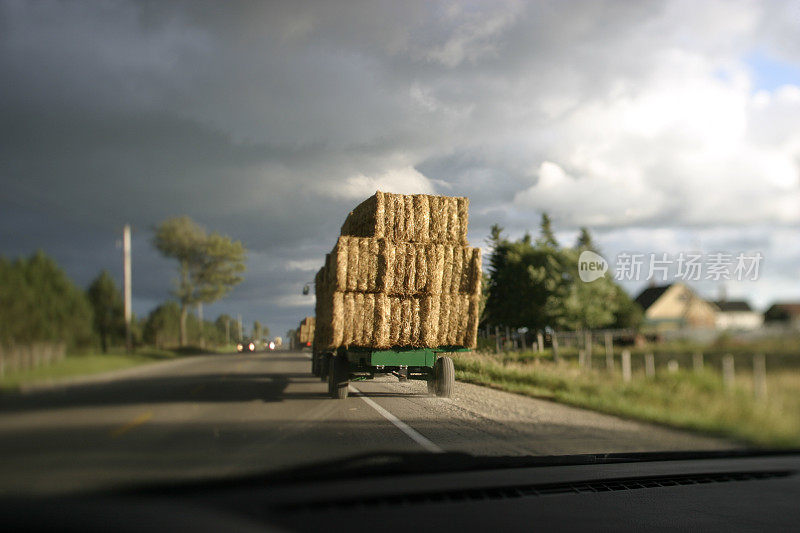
[431, 383]
[445, 376]
[338, 378]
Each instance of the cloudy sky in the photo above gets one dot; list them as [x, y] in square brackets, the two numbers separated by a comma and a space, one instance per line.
[663, 126]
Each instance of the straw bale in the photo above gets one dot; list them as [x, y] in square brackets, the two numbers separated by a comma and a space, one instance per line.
[384, 273]
[383, 314]
[367, 326]
[339, 261]
[406, 310]
[351, 272]
[475, 273]
[410, 218]
[462, 208]
[348, 299]
[458, 267]
[373, 260]
[447, 269]
[410, 274]
[362, 274]
[422, 217]
[435, 257]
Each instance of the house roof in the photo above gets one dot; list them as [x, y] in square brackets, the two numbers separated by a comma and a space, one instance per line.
[649, 296]
[733, 305]
[788, 309]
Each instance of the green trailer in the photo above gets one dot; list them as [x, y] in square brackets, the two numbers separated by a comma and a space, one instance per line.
[339, 367]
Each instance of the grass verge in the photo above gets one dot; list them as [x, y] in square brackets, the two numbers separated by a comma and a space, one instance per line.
[89, 363]
[690, 400]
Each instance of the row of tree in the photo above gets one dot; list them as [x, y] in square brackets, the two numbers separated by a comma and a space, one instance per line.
[39, 303]
[535, 284]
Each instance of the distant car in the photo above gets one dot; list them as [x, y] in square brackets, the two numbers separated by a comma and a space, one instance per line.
[248, 345]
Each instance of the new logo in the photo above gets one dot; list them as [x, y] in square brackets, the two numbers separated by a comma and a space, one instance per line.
[591, 266]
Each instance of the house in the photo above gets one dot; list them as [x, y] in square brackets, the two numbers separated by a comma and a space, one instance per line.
[676, 306]
[784, 313]
[737, 315]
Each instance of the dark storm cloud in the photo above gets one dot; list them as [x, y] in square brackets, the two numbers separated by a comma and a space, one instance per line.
[269, 121]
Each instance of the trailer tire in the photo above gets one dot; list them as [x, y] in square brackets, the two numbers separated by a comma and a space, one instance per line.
[338, 378]
[431, 383]
[445, 376]
[324, 364]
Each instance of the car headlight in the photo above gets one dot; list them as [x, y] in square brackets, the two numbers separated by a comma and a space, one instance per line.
[239, 347]
[252, 347]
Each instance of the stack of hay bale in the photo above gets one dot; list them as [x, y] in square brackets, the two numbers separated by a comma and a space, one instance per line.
[305, 332]
[401, 275]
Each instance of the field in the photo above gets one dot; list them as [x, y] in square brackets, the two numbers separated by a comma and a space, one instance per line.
[687, 398]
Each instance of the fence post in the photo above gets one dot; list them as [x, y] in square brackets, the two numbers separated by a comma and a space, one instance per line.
[581, 358]
[609, 352]
[588, 347]
[508, 339]
[626, 365]
[497, 339]
[728, 371]
[524, 341]
[672, 366]
[759, 377]
[555, 347]
[697, 361]
[540, 341]
[649, 365]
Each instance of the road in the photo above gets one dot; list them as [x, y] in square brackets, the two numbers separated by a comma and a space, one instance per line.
[220, 415]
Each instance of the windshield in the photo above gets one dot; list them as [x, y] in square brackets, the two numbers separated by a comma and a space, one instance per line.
[250, 237]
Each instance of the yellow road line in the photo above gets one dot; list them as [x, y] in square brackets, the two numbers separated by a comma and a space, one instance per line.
[138, 421]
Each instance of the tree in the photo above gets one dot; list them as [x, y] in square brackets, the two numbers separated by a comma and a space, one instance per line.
[537, 285]
[585, 241]
[109, 316]
[39, 303]
[227, 327]
[548, 238]
[208, 264]
[256, 329]
[162, 326]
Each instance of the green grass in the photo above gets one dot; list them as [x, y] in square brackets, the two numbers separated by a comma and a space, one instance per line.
[690, 400]
[89, 363]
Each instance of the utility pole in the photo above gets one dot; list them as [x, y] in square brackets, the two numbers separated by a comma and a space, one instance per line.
[239, 316]
[227, 332]
[126, 280]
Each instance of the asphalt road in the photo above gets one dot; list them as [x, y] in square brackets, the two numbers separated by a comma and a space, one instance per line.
[219, 415]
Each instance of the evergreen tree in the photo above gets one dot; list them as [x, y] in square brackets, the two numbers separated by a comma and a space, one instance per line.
[109, 316]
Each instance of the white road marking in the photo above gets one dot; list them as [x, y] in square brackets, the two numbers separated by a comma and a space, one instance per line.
[402, 426]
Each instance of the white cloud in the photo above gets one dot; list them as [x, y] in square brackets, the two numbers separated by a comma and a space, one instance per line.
[404, 180]
[304, 265]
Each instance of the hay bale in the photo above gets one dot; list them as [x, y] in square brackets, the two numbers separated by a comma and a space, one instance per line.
[422, 217]
[410, 218]
[352, 263]
[380, 321]
[429, 327]
[383, 314]
[435, 258]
